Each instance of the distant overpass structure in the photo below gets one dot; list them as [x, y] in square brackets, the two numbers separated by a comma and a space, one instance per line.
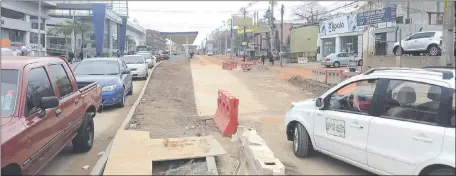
[181, 38]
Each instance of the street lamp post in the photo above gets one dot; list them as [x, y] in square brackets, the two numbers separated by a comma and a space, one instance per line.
[39, 28]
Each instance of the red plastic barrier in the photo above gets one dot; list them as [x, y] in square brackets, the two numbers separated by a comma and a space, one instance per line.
[226, 117]
[229, 65]
[246, 66]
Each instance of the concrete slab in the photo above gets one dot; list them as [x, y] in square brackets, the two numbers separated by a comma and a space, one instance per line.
[132, 152]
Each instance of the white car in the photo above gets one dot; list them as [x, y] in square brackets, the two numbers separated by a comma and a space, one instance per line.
[209, 53]
[137, 65]
[338, 59]
[7, 52]
[428, 42]
[148, 56]
[394, 121]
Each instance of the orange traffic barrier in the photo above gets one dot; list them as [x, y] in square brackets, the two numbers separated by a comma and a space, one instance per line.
[226, 116]
[229, 65]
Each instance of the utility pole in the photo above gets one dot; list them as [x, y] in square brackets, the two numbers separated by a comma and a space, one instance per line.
[226, 42]
[447, 57]
[39, 28]
[245, 36]
[281, 35]
[272, 29]
[232, 41]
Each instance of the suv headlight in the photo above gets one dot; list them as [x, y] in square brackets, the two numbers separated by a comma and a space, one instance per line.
[108, 88]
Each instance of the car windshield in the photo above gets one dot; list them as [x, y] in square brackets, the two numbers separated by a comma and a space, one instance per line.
[9, 91]
[93, 68]
[133, 59]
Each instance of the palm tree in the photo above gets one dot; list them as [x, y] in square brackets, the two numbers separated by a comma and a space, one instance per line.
[130, 41]
[83, 28]
[65, 28]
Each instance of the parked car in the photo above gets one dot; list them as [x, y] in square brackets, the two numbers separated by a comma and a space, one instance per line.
[42, 111]
[148, 56]
[7, 52]
[137, 65]
[339, 59]
[165, 56]
[428, 42]
[396, 121]
[112, 74]
[209, 53]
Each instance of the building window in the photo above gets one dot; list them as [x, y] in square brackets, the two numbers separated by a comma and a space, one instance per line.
[400, 20]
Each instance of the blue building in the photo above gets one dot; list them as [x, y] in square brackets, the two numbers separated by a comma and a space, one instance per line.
[112, 30]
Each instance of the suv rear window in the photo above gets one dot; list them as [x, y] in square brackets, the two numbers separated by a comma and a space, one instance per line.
[10, 79]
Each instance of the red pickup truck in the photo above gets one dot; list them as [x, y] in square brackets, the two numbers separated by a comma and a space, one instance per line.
[42, 111]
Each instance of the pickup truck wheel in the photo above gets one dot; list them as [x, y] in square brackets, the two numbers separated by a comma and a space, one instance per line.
[301, 142]
[442, 171]
[83, 141]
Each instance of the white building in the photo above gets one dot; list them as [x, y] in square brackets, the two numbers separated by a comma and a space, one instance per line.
[344, 33]
[19, 21]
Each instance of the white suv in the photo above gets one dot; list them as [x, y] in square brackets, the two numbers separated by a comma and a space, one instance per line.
[428, 42]
[395, 121]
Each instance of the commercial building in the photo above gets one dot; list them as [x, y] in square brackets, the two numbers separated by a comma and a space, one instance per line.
[19, 21]
[156, 40]
[344, 33]
[112, 30]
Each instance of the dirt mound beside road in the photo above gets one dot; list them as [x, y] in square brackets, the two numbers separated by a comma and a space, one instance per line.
[316, 88]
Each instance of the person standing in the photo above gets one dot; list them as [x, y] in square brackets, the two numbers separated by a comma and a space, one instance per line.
[70, 57]
[81, 56]
[263, 58]
[271, 58]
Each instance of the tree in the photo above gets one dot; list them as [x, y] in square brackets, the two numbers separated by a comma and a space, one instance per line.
[65, 28]
[82, 28]
[312, 12]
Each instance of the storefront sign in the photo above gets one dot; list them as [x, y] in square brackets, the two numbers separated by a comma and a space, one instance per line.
[334, 26]
[387, 14]
[338, 25]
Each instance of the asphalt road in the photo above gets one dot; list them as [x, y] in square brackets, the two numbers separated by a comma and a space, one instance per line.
[106, 125]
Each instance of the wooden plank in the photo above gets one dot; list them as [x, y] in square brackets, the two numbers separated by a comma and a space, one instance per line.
[132, 152]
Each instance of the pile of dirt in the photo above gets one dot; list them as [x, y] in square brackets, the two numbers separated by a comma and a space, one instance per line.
[257, 67]
[315, 87]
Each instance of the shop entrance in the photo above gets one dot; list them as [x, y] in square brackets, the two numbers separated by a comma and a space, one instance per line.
[349, 44]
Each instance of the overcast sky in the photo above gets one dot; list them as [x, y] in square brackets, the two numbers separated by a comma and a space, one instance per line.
[201, 16]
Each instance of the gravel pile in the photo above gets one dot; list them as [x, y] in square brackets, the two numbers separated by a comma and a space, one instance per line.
[309, 85]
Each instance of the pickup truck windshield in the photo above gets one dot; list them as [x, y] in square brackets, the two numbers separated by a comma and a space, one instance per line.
[98, 67]
[9, 91]
[133, 59]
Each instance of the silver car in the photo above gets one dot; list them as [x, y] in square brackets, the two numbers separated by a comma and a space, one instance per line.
[137, 65]
[148, 57]
[338, 59]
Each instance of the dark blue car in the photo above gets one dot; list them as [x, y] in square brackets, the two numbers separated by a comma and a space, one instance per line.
[111, 74]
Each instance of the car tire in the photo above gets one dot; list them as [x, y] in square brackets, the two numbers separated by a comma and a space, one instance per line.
[442, 171]
[83, 141]
[301, 141]
[336, 64]
[122, 103]
[360, 62]
[147, 75]
[130, 92]
[433, 50]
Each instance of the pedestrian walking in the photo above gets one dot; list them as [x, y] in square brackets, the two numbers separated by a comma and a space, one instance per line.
[263, 58]
[271, 58]
[70, 57]
[118, 53]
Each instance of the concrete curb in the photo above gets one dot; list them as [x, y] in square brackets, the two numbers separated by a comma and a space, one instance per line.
[255, 156]
[101, 163]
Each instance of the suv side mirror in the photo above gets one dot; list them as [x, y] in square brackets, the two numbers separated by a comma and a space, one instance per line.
[126, 71]
[319, 103]
[49, 102]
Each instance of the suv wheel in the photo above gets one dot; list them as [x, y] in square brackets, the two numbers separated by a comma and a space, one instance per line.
[83, 141]
[397, 50]
[433, 50]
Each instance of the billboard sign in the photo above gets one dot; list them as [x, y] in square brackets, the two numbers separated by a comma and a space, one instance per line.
[242, 21]
[384, 15]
